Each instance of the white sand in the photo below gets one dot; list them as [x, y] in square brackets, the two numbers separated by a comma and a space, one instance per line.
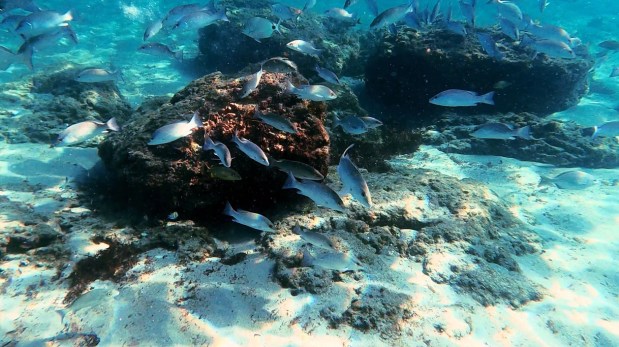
[164, 302]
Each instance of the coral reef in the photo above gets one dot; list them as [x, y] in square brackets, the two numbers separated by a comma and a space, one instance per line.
[557, 143]
[406, 70]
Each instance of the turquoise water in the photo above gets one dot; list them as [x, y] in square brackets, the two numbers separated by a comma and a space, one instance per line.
[167, 280]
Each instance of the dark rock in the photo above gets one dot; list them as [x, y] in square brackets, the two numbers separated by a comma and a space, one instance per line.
[175, 176]
[557, 143]
[311, 280]
[404, 72]
[32, 237]
[60, 101]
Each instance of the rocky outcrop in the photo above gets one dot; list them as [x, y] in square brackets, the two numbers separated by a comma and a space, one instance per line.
[406, 70]
[176, 176]
[55, 100]
[556, 143]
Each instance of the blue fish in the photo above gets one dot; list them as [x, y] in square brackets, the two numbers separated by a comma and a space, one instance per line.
[321, 194]
[250, 149]
[460, 98]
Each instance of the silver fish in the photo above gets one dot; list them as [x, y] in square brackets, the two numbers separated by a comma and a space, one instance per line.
[489, 45]
[97, 75]
[371, 122]
[542, 5]
[7, 58]
[152, 29]
[43, 41]
[327, 75]
[41, 22]
[260, 28]
[351, 124]
[501, 131]
[608, 129]
[220, 149]
[349, 3]
[285, 12]
[352, 181]
[312, 92]
[308, 5]
[297, 169]
[321, 194]
[250, 219]
[510, 29]
[316, 239]
[279, 65]
[11, 22]
[330, 260]
[173, 216]
[553, 49]
[468, 11]
[178, 12]
[391, 15]
[161, 50]
[549, 32]
[508, 10]
[341, 14]
[456, 28]
[461, 98]
[26, 5]
[372, 6]
[174, 131]
[276, 121]
[304, 47]
[251, 84]
[573, 180]
[250, 149]
[200, 19]
[83, 131]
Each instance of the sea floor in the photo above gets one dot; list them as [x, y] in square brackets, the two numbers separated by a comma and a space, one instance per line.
[168, 299]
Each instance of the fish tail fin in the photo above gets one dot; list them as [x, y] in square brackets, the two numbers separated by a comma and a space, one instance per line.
[277, 26]
[178, 55]
[290, 88]
[307, 260]
[336, 120]
[223, 16]
[345, 154]
[488, 98]
[524, 132]
[545, 181]
[196, 121]
[228, 210]
[595, 132]
[291, 182]
[118, 74]
[67, 17]
[26, 57]
[112, 124]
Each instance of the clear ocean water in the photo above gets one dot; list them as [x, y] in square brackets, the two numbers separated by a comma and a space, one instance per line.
[231, 289]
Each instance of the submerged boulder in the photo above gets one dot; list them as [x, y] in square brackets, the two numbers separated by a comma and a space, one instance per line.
[55, 100]
[406, 70]
[178, 176]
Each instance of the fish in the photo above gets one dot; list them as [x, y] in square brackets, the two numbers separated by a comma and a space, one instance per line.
[553, 49]
[285, 12]
[224, 173]
[297, 169]
[41, 22]
[276, 121]
[489, 46]
[349, 3]
[456, 28]
[174, 131]
[371, 122]
[173, 216]
[314, 238]
[572, 180]
[612, 45]
[176, 13]
[608, 129]
[311, 92]
[260, 28]
[43, 41]
[330, 260]
[250, 219]
[200, 19]
[549, 32]
[341, 14]
[11, 22]
[615, 72]
[436, 10]
[304, 47]
[97, 75]
[412, 20]
[508, 10]
[319, 193]
[352, 181]
[372, 6]
[251, 84]
[161, 50]
[250, 149]
[309, 4]
[501, 131]
[461, 98]
[510, 29]
[391, 15]
[542, 5]
[279, 65]
[327, 75]
[468, 11]
[351, 124]
[152, 29]
[26, 5]
[220, 149]
[7, 58]
[84, 131]
[501, 84]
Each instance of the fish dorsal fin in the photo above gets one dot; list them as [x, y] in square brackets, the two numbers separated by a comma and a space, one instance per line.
[345, 154]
